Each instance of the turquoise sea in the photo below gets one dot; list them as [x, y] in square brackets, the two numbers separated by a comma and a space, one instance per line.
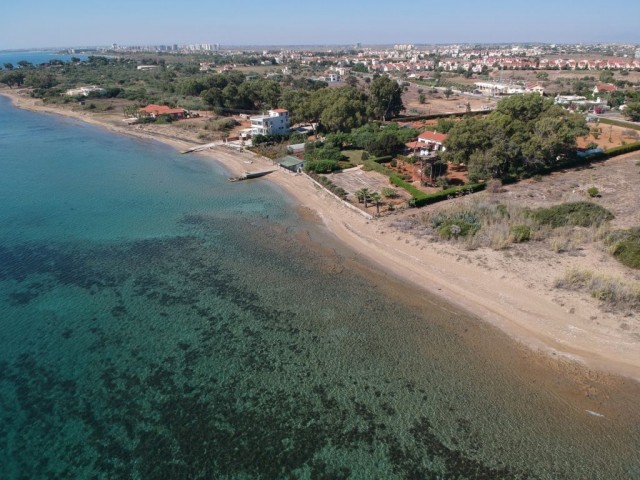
[36, 57]
[158, 321]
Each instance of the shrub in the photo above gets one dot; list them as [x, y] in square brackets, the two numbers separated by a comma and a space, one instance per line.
[625, 246]
[593, 192]
[458, 224]
[502, 210]
[163, 119]
[494, 186]
[520, 233]
[389, 192]
[582, 214]
[321, 166]
[222, 124]
[329, 185]
[612, 292]
[442, 182]
[385, 159]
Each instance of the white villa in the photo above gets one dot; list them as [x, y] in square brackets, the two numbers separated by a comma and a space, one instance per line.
[276, 122]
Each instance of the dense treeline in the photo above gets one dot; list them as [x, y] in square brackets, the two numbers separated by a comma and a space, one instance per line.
[523, 135]
[332, 109]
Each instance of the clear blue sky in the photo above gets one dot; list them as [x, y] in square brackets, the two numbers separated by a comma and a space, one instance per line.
[58, 23]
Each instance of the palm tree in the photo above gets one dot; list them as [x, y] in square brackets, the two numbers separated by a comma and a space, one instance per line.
[363, 196]
[377, 199]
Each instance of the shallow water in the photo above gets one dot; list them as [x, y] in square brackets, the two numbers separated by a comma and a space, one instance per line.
[158, 321]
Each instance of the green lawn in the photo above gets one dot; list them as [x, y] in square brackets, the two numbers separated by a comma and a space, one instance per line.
[355, 156]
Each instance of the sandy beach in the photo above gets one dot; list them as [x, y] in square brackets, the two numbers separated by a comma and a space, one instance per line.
[516, 297]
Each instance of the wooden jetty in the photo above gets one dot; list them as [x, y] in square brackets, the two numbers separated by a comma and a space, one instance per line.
[200, 148]
[253, 174]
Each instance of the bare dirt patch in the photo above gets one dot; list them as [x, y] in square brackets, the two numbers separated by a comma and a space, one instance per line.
[354, 179]
[608, 136]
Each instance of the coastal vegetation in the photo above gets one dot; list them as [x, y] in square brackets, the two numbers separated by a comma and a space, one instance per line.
[184, 84]
[498, 225]
[624, 245]
[522, 136]
[613, 293]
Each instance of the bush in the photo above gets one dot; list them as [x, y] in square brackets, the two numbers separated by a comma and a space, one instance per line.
[389, 192]
[593, 192]
[329, 185]
[520, 233]
[454, 225]
[429, 198]
[625, 246]
[164, 119]
[494, 186]
[385, 159]
[581, 214]
[612, 292]
[321, 166]
[223, 124]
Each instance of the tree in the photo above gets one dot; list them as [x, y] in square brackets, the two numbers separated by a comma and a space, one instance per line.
[14, 77]
[269, 92]
[523, 134]
[632, 112]
[606, 76]
[444, 125]
[448, 92]
[386, 143]
[294, 101]
[213, 97]
[8, 66]
[191, 87]
[43, 80]
[343, 109]
[360, 68]
[363, 196]
[377, 199]
[351, 81]
[385, 98]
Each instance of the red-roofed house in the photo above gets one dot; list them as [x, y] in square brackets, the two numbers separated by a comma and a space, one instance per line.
[605, 88]
[428, 142]
[534, 87]
[155, 111]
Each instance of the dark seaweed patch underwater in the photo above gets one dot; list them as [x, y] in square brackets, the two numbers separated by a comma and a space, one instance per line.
[182, 358]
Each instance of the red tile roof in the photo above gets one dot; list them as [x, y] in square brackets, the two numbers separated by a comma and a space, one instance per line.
[432, 137]
[606, 88]
[152, 109]
[280, 110]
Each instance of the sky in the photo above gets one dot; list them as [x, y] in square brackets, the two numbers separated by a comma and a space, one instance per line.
[68, 23]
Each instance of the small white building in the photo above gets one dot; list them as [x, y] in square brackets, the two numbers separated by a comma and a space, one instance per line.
[494, 88]
[84, 91]
[275, 123]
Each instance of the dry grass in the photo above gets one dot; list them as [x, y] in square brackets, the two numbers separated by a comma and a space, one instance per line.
[498, 226]
[613, 293]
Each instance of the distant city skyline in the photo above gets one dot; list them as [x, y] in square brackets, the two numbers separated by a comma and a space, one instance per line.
[72, 23]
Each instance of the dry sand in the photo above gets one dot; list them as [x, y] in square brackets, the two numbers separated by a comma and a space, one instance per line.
[516, 297]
